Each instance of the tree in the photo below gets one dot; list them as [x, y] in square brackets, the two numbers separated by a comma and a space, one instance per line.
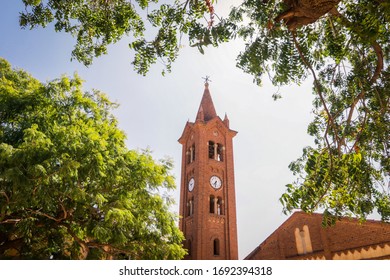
[69, 187]
[343, 45]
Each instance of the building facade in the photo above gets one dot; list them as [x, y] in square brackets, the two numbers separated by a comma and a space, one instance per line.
[207, 191]
[303, 237]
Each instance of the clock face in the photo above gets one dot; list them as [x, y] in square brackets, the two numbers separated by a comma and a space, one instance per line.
[191, 184]
[215, 182]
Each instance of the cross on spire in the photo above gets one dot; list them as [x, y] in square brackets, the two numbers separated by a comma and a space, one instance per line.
[206, 80]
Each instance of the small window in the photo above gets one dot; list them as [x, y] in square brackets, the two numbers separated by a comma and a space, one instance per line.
[190, 207]
[219, 206]
[212, 204]
[216, 247]
[192, 150]
[211, 150]
[219, 152]
[191, 154]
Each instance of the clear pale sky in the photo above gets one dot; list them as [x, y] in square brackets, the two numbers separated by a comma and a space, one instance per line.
[154, 109]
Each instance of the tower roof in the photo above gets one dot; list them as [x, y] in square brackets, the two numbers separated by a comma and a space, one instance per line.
[206, 109]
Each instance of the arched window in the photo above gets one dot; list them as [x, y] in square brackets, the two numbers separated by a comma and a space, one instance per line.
[219, 206]
[211, 150]
[190, 207]
[191, 154]
[215, 151]
[219, 152]
[212, 204]
[303, 240]
[216, 247]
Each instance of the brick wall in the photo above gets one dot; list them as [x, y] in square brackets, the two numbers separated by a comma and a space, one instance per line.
[347, 236]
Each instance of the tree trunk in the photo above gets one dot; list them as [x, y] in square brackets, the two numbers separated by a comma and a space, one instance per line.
[304, 12]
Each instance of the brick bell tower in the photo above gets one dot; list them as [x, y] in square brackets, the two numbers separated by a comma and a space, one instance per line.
[207, 192]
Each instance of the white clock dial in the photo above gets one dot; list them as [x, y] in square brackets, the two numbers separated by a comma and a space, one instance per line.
[215, 182]
[191, 184]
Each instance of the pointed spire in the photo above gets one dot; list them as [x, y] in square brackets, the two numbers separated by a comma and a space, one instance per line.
[206, 109]
[226, 120]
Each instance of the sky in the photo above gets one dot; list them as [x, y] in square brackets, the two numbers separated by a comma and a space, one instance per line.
[154, 110]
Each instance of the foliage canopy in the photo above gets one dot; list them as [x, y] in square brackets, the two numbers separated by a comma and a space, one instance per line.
[69, 187]
[343, 45]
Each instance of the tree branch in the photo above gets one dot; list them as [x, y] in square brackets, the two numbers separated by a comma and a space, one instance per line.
[5, 195]
[379, 67]
[330, 170]
[319, 91]
[64, 216]
[45, 215]
[364, 122]
[82, 243]
[10, 221]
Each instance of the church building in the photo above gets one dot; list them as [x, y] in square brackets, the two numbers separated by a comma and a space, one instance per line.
[303, 237]
[208, 207]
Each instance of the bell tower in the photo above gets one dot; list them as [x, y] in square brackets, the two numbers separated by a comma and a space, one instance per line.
[207, 192]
